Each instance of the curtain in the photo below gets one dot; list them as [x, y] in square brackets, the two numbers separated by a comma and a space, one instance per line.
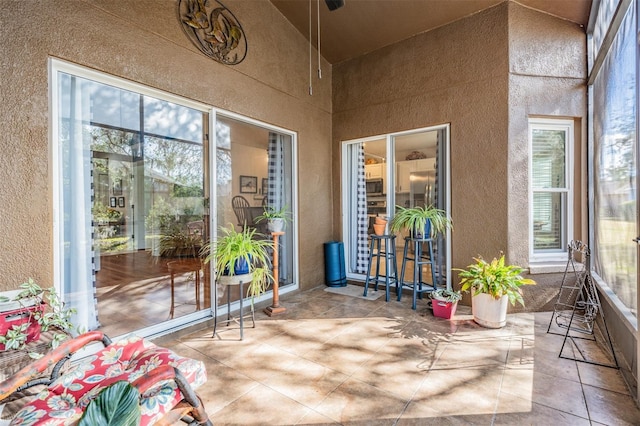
[79, 287]
[362, 220]
[276, 197]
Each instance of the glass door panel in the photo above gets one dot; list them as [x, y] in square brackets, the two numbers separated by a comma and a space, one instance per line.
[132, 195]
[413, 172]
[254, 172]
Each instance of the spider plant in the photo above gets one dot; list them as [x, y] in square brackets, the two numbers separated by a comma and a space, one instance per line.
[241, 252]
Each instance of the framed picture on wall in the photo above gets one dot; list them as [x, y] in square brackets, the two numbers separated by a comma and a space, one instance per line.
[113, 202]
[265, 186]
[120, 201]
[248, 185]
[117, 187]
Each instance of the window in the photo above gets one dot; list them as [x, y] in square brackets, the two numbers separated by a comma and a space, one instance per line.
[615, 151]
[550, 144]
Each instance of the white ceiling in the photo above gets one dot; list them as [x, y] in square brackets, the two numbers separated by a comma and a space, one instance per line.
[362, 26]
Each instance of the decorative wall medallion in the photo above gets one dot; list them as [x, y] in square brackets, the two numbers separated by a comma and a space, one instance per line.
[213, 29]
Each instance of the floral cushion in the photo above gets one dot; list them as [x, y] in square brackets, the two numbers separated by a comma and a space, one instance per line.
[64, 401]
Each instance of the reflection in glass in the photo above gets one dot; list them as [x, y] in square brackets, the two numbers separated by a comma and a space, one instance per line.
[615, 116]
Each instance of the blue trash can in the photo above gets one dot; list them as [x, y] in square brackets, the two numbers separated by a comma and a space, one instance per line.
[335, 274]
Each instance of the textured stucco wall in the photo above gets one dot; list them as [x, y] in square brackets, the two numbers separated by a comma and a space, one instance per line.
[455, 74]
[143, 41]
[547, 78]
[485, 75]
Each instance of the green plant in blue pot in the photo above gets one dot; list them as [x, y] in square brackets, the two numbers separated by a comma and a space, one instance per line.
[421, 221]
[241, 252]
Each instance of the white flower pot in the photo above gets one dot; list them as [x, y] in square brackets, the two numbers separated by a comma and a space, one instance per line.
[275, 225]
[489, 312]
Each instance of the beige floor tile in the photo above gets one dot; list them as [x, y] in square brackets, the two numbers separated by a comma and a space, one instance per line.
[345, 357]
[602, 377]
[339, 360]
[514, 411]
[314, 418]
[306, 382]
[518, 382]
[551, 364]
[400, 378]
[611, 408]
[261, 362]
[260, 406]
[355, 402]
[560, 394]
[474, 353]
[453, 392]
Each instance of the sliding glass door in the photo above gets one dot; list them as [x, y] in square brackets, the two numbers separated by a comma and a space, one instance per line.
[140, 188]
[405, 169]
[255, 172]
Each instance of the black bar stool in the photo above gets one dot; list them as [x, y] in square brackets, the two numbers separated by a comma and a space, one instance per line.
[418, 286]
[388, 253]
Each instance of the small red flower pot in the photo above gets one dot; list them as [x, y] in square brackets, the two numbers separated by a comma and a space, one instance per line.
[442, 309]
[17, 317]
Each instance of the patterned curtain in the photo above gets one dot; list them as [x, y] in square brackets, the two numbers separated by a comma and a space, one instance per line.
[276, 189]
[275, 192]
[362, 220]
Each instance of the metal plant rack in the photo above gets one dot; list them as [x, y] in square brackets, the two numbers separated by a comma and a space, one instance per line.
[577, 307]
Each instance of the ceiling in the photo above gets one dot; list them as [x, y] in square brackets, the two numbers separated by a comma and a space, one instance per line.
[362, 26]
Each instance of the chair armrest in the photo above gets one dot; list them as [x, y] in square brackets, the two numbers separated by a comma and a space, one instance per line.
[56, 359]
[167, 372]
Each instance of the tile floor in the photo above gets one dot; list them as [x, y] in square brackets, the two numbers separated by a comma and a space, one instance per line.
[333, 359]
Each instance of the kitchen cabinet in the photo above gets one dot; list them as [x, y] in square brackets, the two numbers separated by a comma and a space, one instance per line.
[377, 171]
[374, 171]
[405, 168]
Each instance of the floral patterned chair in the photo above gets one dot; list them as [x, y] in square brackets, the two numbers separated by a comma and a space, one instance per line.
[164, 380]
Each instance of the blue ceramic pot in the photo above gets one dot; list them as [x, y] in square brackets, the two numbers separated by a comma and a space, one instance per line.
[241, 267]
[425, 233]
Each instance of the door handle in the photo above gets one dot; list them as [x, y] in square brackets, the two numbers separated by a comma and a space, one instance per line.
[637, 240]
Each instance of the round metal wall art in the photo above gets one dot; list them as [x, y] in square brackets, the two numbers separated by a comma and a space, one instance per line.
[213, 29]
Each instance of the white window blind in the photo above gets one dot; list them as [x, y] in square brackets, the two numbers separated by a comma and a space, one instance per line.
[550, 187]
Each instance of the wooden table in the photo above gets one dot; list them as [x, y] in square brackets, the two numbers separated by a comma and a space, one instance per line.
[180, 267]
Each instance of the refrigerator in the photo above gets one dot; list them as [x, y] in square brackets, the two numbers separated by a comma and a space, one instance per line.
[421, 190]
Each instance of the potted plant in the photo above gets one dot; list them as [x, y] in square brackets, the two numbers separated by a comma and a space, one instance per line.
[24, 313]
[239, 253]
[379, 225]
[444, 302]
[492, 284]
[276, 218]
[180, 244]
[421, 221]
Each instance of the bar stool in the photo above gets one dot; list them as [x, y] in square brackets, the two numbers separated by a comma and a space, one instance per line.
[229, 281]
[420, 258]
[388, 253]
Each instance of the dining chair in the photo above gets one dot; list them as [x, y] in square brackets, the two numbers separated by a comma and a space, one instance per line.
[241, 209]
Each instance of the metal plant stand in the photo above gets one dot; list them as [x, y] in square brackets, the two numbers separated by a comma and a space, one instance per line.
[577, 306]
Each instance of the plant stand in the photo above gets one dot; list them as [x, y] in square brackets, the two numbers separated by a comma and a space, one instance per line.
[238, 280]
[577, 307]
[275, 308]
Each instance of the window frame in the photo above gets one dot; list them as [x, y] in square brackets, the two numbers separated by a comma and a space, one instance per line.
[553, 255]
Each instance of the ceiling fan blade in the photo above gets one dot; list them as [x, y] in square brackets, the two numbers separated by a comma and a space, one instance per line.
[334, 4]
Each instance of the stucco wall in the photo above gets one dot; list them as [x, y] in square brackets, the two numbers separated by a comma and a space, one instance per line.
[485, 75]
[547, 78]
[143, 41]
[455, 74]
